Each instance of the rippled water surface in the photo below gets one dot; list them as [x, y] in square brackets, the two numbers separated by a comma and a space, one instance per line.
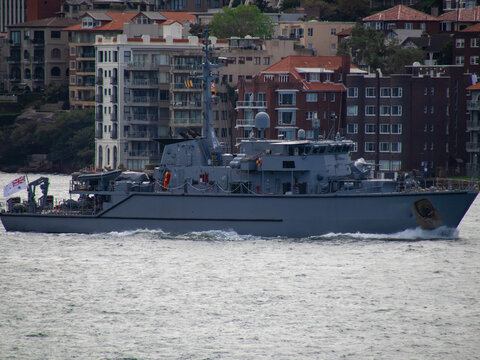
[151, 295]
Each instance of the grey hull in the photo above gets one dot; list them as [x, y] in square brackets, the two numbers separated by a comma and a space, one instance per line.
[292, 216]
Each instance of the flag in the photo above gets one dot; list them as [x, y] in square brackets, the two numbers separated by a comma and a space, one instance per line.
[14, 186]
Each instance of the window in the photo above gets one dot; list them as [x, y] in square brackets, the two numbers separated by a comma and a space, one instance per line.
[352, 110]
[397, 110]
[283, 78]
[460, 43]
[72, 65]
[312, 97]
[352, 92]
[355, 147]
[432, 109]
[370, 110]
[384, 165]
[385, 92]
[384, 128]
[257, 60]
[266, 60]
[241, 60]
[87, 22]
[310, 31]
[459, 60]
[408, 26]
[369, 128]
[332, 97]
[425, 91]
[55, 34]
[475, 42]
[266, 77]
[396, 128]
[55, 53]
[127, 56]
[432, 127]
[396, 165]
[333, 31]
[286, 117]
[369, 147]
[73, 50]
[314, 77]
[312, 115]
[333, 46]
[425, 109]
[55, 71]
[384, 147]
[474, 60]
[370, 92]
[352, 128]
[72, 79]
[384, 110]
[286, 98]
[397, 92]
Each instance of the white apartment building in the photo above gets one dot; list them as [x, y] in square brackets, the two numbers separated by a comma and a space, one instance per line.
[146, 89]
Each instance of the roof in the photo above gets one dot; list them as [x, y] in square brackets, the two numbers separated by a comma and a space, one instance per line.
[302, 64]
[399, 13]
[47, 22]
[346, 32]
[290, 63]
[462, 15]
[474, 28]
[179, 16]
[115, 22]
[153, 15]
[434, 43]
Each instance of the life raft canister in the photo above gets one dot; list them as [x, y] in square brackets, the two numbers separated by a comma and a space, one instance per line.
[166, 180]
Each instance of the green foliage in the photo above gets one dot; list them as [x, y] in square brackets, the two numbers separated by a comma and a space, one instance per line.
[241, 21]
[446, 54]
[289, 4]
[197, 29]
[68, 140]
[55, 93]
[7, 118]
[369, 48]
[339, 10]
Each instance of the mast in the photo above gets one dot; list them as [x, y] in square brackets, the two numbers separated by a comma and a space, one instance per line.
[208, 78]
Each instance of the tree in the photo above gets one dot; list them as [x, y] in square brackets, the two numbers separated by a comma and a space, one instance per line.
[351, 10]
[370, 48]
[241, 21]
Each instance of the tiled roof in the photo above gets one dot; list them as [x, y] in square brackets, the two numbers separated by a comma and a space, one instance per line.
[47, 22]
[474, 28]
[319, 86]
[117, 19]
[179, 16]
[399, 13]
[474, 87]
[462, 15]
[346, 32]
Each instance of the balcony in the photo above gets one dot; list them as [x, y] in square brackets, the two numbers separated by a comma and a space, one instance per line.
[473, 105]
[473, 125]
[144, 153]
[473, 147]
[182, 104]
[245, 123]
[38, 42]
[251, 105]
[38, 59]
[14, 43]
[86, 69]
[141, 82]
[191, 67]
[13, 59]
[143, 100]
[140, 135]
[86, 55]
[141, 118]
[184, 86]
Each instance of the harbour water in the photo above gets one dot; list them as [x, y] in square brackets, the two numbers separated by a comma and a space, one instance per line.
[218, 295]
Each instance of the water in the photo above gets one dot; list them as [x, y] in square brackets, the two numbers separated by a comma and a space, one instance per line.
[218, 295]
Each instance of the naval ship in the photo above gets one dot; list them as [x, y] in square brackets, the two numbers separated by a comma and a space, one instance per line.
[292, 188]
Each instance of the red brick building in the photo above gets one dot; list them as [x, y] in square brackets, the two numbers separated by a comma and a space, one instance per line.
[466, 49]
[293, 92]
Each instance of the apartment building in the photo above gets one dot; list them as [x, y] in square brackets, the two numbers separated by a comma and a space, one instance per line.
[466, 49]
[473, 131]
[415, 120]
[38, 54]
[12, 12]
[294, 92]
[146, 89]
[319, 36]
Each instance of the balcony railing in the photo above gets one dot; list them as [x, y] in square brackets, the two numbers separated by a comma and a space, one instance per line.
[38, 59]
[187, 86]
[141, 82]
[473, 125]
[245, 123]
[141, 118]
[186, 103]
[473, 105]
[140, 135]
[251, 105]
[191, 67]
[13, 59]
[473, 147]
[143, 153]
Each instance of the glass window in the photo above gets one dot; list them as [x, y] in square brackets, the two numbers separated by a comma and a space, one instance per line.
[384, 110]
[370, 110]
[352, 110]
[385, 92]
[397, 92]
[312, 115]
[459, 43]
[369, 147]
[384, 128]
[286, 98]
[396, 128]
[397, 110]
[370, 92]
[475, 42]
[286, 118]
[396, 147]
[312, 97]
[369, 128]
[352, 128]
[384, 147]
[352, 92]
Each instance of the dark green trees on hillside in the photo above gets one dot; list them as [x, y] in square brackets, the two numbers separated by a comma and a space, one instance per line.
[370, 48]
[241, 21]
[68, 140]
